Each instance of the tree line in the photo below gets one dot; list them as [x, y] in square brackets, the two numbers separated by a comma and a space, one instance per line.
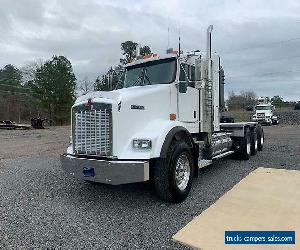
[247, 99]
[49, 88]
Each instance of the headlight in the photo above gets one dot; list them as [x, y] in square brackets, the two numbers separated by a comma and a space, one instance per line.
[274, 117]
[141, 143]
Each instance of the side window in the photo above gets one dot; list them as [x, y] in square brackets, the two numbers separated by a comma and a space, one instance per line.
[187, 73]
[183, 76]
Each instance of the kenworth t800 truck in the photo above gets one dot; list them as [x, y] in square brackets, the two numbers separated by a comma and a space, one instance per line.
[162, 126]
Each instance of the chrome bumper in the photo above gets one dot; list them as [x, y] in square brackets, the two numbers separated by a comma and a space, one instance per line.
[104, 171]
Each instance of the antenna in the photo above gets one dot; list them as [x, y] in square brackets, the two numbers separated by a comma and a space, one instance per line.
[179, 47]
[168, 37]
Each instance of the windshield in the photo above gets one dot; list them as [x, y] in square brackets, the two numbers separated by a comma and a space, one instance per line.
[150, 73]
[263, 108]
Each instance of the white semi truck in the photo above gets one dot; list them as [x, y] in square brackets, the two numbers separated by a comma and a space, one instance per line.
[264, 112]
[162, 126]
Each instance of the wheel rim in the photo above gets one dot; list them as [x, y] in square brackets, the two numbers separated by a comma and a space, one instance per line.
[248, 148]
[255, 144]
[182, 172]
[261, 140]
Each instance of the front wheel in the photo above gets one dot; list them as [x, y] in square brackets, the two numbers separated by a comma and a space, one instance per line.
[173, 175]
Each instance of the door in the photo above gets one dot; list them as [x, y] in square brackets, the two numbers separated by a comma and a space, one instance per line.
[188, 103]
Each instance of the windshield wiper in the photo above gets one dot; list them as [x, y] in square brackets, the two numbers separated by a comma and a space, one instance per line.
[147, 76]
[140, 78]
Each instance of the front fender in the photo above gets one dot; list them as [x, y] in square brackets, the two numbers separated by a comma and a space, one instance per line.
[157, 132]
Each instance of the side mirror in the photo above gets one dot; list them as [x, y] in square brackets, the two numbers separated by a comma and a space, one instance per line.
[182, 87]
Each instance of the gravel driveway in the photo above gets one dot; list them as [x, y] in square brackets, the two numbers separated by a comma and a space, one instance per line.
[42, 208]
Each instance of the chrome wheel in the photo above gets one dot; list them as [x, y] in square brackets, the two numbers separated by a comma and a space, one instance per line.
[248, 148]
[255, 144]
[262, 140]
[182, 172]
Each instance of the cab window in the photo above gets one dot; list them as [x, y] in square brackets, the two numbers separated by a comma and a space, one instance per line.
[187, 73]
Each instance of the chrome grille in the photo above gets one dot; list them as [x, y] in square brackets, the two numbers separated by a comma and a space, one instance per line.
[260, 115]
[92, 132]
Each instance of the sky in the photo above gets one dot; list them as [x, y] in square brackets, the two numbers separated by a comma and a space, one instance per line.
[258, 41]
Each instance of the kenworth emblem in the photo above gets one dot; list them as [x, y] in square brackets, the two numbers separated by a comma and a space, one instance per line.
[137, 107]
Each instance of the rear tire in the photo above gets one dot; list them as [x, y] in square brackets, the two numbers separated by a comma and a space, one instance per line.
[260, 138]
[254, 142]
[173, 175]
[243, 146]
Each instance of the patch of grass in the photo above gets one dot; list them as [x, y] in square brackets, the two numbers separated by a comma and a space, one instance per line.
[241, 115]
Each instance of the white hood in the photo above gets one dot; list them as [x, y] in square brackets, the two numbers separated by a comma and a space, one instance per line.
[111, 95]
[120, 94]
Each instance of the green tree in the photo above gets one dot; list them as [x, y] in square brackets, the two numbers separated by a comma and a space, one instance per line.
[113, 79]
[145, 50]
[277, 101]
[101, 83]
[10, 75]
[10, 79]
[129, 51]
[54, 86]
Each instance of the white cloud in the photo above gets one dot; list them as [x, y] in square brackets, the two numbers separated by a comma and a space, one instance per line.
[89, 33]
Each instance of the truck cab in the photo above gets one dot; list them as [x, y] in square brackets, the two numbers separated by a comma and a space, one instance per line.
[264, 114]
[162, 126]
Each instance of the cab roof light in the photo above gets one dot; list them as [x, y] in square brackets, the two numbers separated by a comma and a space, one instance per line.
[150, 55]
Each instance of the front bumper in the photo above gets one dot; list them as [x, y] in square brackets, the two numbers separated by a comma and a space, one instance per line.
[105, 171]
[262, 120]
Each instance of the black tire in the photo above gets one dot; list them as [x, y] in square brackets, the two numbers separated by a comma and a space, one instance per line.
[260, 138]
[164, 170]
[243, 146]
[254, 142]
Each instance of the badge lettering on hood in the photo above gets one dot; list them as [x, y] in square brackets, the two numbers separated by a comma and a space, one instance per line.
[137, 107]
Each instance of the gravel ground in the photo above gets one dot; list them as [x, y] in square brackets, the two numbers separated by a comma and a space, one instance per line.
[291, 117]
[41, 208]
[53, 140]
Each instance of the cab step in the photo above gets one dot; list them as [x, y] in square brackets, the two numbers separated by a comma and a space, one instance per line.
[223, 155]
[204, 163]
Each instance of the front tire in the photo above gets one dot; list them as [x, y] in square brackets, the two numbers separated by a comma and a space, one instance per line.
[173, 175]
